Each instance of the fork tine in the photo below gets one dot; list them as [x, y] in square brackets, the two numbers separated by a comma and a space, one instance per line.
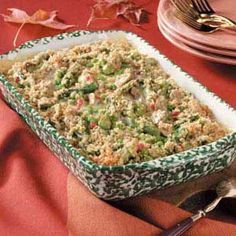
[179, 6]
[193, 22]
[197, 6]
[206, 3]
[180, 9]
[189, 8]
[204, 7]
[184, 7]
[183, 4]
[188, 19]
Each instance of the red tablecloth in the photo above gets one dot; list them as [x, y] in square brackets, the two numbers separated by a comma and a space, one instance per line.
[38, 196]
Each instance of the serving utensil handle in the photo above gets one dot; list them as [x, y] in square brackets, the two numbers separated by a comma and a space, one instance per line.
[181, 227]
[178, 229]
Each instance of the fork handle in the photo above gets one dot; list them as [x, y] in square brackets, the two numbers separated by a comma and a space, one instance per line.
[223, 19]
[181, 227]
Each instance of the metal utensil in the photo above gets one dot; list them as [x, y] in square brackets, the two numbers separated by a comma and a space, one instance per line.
[206, 11]
[192, 22]
[186, 8]
[225, 189]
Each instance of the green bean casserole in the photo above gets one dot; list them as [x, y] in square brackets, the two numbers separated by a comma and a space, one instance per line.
[113, 104]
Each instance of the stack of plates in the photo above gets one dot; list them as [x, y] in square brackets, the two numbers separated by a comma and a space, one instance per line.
[219, 46]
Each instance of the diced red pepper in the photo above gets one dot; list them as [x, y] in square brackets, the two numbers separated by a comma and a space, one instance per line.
[181, 146]
[140, 147]
[97, 96]
[92, 125]
[175, 114]
[17, 80]
[89, 78]
[80, 102]
[152, 106]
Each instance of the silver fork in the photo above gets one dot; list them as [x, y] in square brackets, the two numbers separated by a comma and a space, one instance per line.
[225, 189]
[205, 10]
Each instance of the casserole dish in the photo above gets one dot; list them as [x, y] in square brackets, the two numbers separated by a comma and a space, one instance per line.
[119, 182]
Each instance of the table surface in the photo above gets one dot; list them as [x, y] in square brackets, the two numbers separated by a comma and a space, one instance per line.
[220, 79]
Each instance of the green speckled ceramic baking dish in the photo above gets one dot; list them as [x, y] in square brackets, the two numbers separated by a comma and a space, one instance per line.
[119, 182]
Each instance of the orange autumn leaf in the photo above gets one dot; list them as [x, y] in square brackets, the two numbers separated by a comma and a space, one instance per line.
[40, 17]
[111, 9]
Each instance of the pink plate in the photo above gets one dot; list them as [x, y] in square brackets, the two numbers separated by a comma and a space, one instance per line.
[196, 52]
[195, 45]
[220, 39]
